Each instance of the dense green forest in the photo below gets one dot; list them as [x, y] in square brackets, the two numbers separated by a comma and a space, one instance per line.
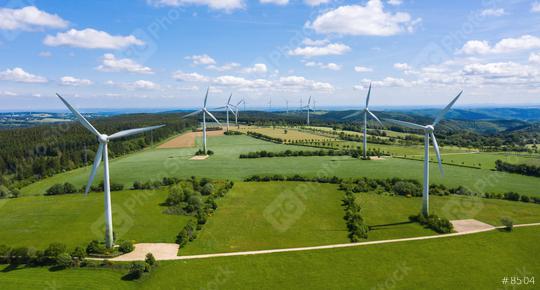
[27, 154]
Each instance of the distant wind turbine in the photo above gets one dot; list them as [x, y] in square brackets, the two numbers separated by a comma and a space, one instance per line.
[204, 112]
[308, 108]
[366, 112]
[237, 109]
[428, 133]
[102, 153]
[228, 107]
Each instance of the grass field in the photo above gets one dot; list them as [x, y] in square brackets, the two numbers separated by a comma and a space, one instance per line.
[279, 132]
[476, 261]
[75, 220]
[225, 164]
[486, 160]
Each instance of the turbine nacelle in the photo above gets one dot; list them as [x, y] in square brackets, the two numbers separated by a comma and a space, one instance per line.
[429, 129]
[103, 138]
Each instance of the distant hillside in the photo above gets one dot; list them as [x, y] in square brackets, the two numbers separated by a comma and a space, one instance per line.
[524, 114]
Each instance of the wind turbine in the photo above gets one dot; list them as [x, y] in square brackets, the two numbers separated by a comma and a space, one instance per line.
[102, 153]
[229, 107]
[308, 108]
[237, 109]
[204, 112]
[428, 133]
[287, 106]
[270, 105]
[366, 112]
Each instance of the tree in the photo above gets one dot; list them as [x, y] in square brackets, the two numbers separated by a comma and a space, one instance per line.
[53, 251]
[64, 260]
[150, 260]
[508, 223]
[126, 247]
[136, 270]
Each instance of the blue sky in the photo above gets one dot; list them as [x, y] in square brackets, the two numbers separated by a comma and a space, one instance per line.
[165, 53]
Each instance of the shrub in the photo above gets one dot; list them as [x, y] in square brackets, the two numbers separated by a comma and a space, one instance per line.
[95, 247]
[5, 252]
[508, 223]
[126, 247]
[64, 260]
[407, 188]
[116, 186]
[440, 225]
[53, 251]
[150, 260]
[79, 253]
[69, 188]
[207, 189]
[136, 270]
[55, 189]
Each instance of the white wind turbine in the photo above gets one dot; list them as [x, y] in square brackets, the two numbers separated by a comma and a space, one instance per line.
[229, 107]
[366, 112]
[237, 109]
[308, 108]
[428, 133]
[102, 153]
[204, 112]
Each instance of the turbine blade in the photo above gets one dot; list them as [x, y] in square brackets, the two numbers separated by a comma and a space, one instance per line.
[352, 115]
[368, 95]
[437, 152]
[97, 161]
[81, 119]
[406, 124]
[212, 116]
[192, 114]
[446, 109]
[130, 132]
[206, 97]
[229, 101]
[374, 117]
[309, 102]
[220, 108]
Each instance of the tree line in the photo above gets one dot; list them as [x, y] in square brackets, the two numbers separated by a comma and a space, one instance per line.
[523, 169]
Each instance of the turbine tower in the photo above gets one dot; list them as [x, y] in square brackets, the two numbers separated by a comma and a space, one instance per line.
[308, 108]
[237, 109]
[366, 112]
[204, 112]
[228, 107]
[102, 153]
[287, 106]
[428, 133]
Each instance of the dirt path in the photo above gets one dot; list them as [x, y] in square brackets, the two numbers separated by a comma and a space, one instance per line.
[465, 227]
[187, 140]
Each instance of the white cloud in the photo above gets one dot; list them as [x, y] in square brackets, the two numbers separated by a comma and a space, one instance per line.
[330, 65]
[112, 64]
[386, 82]
[493, 12]
[29, 18]
[535, 7]
[91, 38]
[227, 5]
[73, 81]
[506, 45]
[329, 49]
[225, 67]
[534, 58]
[402, 66]
[242, 83]
[259, 68]
[298, 83]
[311, 42]
[276, 2]
[189, 77]
[45, 54]
[370, 19]
[17, 74]
[394, 2]
[316, 2]
[362, 69]
[136, 85]
[8, 94]
[201, 59]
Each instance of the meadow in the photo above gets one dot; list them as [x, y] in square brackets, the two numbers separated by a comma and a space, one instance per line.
[75, 220]
[446, 263]
[289, 134]
[225, 164]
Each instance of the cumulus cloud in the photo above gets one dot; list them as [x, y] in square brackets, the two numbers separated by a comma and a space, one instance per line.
[311, 42]
[394, 2]
[73, 81]
[112, 64]
[225, 67]
[91, 39]
[370, 19]
[535, 7]
[258, 68]
[506, 45]
[493, 12]
[204, 59]
[330, 65]
[534, 58]
[136, 85]
[362, 69]
[386, 82]
[329, 49]
[189, 77]
[17, 74]
[299, 83]
[316, 2]
[276, 2]
[29, 18]
[227, 5]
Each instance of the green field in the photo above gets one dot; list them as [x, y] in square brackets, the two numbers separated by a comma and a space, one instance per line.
[476, 261]
[225, 164]
[279, 132]
[486, 160]
[75, 220]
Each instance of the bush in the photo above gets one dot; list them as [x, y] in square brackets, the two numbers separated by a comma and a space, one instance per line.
[136, 270]
[95, 247]
[407, 188]
[508, 223]
[5, 252]
[126, 247]
[64, 260]
[116, 186]
[207, 189]
[440, 225]
[79, 253]
[55, 189]
[53, 251]
[150, 260]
